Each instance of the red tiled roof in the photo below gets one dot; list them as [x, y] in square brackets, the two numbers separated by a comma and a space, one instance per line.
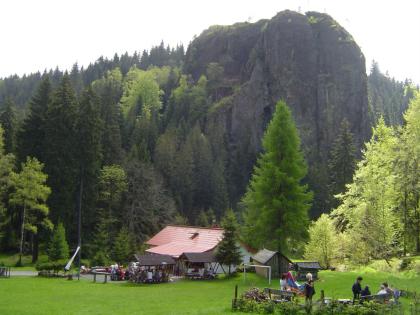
[175, 240]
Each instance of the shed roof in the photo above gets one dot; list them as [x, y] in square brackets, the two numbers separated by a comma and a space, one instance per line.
[206, 257]
[264, 255]
[154, 260]
[308, 265]
[174, 240]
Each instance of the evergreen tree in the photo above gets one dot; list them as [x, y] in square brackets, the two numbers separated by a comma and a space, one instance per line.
[112, 186]
[276, 201]
[31, 138]
[123, 247]
[109, 90]
[7, 228]
[101, 244]
[60, 154]
[228, 252]
[148, 206]
[89, 156]
[342, 162]
[30, 195]
[202, 219]
[8, 121]
[58, 248]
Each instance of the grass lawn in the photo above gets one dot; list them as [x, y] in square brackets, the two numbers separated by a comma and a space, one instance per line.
[11, 259]
[32, 295]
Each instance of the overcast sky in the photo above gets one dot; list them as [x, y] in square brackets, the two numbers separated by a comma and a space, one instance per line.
[47, 33]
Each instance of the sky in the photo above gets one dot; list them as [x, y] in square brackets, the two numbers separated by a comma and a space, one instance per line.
[43, 34]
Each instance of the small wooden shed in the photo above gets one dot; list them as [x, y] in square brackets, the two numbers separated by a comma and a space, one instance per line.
[305, 267]
[198, 262]
[277, 261]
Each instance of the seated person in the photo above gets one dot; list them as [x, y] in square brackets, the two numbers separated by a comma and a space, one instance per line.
[283, 282]
[149, 276]
[387, 288]
[365, 291]
[382, 291]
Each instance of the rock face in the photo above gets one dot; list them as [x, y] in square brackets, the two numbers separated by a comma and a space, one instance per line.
[309, 61]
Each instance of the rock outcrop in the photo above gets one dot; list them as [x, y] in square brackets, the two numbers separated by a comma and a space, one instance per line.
[309, 61]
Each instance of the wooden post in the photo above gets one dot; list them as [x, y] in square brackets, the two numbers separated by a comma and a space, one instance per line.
[106, 276]
[235, 298]
[94, 277]
[322, 297]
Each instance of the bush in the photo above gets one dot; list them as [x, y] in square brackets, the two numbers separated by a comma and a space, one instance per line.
[405, 263]
[256, 301]
[54, 266]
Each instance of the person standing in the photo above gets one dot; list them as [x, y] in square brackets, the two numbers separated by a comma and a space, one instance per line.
[309, 291]
[357, 288]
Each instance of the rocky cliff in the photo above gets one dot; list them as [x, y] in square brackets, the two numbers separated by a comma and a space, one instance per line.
[309, 61]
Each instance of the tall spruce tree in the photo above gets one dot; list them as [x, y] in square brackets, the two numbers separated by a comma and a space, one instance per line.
[109, 90]
[89, 127]
[228, 252]
[342, 162]
[31, 137]
[60, 154]
[276, 201]
[8, 121]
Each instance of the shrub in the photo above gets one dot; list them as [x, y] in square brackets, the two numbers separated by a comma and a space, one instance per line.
[54, 266]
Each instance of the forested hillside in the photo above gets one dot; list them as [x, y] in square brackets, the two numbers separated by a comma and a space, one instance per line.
[169, 136]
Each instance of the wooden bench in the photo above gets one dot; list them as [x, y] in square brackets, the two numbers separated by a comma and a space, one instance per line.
[106, 274]
[4, 272]
[280, 295]
[379, 298]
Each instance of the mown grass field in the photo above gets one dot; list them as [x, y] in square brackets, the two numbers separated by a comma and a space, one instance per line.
[33, 295]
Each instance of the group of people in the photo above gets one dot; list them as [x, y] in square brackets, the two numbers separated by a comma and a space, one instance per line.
[358, 292]
[149, 275]
[118, 273]
[288, 283]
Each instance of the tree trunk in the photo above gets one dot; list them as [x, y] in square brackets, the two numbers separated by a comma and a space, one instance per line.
[79, 224]
[405, 222]
[22, 235]
[35, 248]
[229, 269]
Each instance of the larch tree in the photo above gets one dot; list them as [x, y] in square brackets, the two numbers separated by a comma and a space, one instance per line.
[408, 176]
[277, 202]
[30, 195]
[6, 168]
[323, 241]
[367, 207]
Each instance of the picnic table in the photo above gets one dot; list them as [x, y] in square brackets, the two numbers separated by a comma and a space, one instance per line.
[379, 298]
[106, 274]
[280, 295]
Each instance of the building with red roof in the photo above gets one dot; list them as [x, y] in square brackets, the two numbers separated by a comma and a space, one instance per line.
[175, 240]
